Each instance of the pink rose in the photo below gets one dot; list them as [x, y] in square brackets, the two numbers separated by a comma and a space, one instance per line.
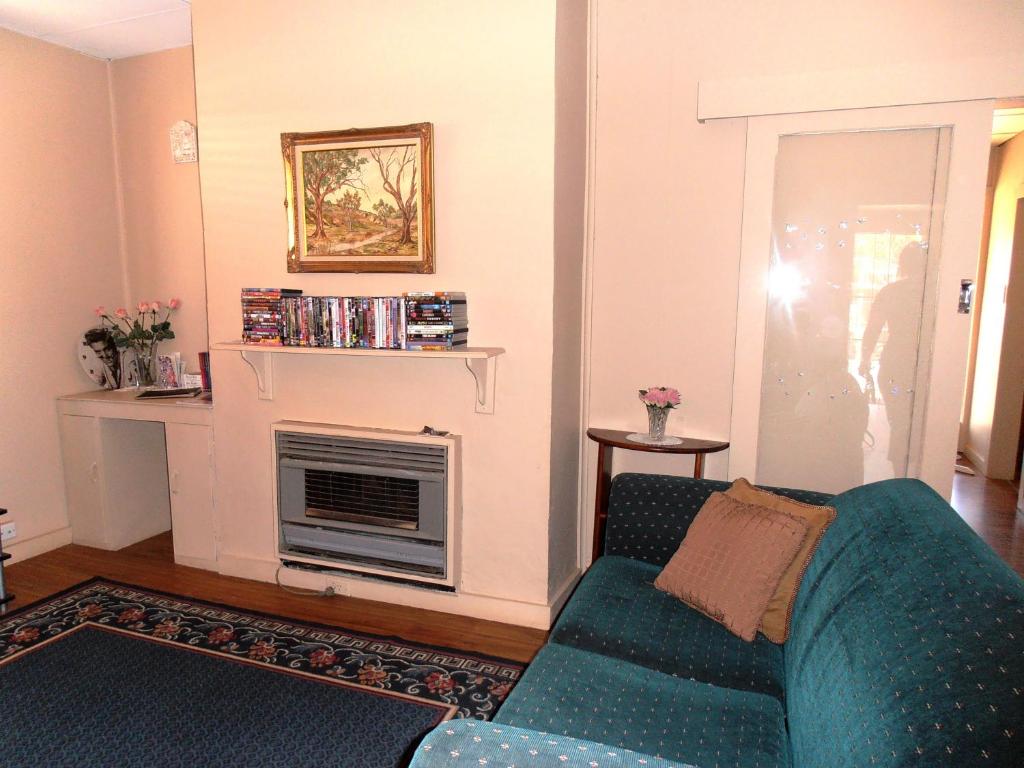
[100, 311]
[660, 397]
[655, 396]
[143, 306]
[174, 303]
[155, 306]
[121, 312]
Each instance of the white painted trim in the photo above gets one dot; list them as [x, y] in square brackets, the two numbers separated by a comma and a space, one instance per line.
[535, 615]
[975, 458]
[585, 477]
[247, 567]
[37, 545]
[562, 594]
[888, 84]
[196, 562]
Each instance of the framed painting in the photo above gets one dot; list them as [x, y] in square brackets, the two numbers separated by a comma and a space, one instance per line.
[360, 200]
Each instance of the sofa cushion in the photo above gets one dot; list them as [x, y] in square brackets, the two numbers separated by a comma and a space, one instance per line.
[581, 694]
[906, 641]
[779, 613]
[460, 743]
[732, 560]
[648, 515]
[616, 611]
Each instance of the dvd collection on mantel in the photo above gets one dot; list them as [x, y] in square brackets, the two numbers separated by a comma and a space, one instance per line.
[412, 321]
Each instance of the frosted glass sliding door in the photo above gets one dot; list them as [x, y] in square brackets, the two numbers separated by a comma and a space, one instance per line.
[850, 307]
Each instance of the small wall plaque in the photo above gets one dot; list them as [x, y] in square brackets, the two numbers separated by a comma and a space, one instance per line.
[183, 142]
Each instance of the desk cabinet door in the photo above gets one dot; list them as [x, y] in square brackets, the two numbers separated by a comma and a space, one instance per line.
[80, 449]
[190, 477]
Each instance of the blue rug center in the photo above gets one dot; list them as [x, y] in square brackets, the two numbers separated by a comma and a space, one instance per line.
[98, 698]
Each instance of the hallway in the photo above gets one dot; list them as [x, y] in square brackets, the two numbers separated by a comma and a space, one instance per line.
[989, 507]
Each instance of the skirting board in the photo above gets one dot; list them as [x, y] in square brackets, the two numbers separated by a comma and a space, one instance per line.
[534, 615]
[37, 545]
[979, 463]
[196, 562]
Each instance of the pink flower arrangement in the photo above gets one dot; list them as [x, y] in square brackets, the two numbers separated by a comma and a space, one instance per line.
[141, 333]
[660, 397]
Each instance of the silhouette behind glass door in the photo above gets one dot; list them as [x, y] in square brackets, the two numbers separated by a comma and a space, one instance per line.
[850, 306]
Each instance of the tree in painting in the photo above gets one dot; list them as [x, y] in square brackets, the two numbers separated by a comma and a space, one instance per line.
[394, 163]
[325, 173]
[383, 211]
[350, 203]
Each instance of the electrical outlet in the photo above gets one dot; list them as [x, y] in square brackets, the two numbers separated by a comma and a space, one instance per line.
[337, 587]
[8, 531]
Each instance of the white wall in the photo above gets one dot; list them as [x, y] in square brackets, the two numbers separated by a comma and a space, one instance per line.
[162, 221]
[60, 259]
[668, 190]
[484, 74]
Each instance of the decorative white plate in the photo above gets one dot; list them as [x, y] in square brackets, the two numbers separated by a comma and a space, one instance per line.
[91, 363]
[636, 437]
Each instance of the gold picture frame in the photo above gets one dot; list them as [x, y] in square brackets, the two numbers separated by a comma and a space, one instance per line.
[366, 201]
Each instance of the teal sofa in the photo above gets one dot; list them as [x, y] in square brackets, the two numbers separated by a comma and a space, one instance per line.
[906, 649]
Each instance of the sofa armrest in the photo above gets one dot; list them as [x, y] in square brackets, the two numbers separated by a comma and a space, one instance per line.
[475, 743]
[648, 515]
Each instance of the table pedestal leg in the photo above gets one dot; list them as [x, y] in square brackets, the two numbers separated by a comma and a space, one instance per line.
[698, 465]
[604, 480]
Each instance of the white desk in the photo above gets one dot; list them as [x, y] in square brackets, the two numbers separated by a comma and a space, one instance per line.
[134, 468]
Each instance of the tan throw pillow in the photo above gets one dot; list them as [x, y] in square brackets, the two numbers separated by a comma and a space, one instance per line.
[731, 560]
[779, 614]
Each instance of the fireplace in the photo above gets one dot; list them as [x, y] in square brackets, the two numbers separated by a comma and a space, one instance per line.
[372, 502]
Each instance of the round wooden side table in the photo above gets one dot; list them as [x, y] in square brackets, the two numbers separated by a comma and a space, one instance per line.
[609, 439]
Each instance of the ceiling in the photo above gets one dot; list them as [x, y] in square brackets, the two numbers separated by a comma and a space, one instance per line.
[1006, 123]
[105, 29]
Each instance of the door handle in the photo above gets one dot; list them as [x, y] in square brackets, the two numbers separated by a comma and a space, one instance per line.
[174, 482]
[94, 472]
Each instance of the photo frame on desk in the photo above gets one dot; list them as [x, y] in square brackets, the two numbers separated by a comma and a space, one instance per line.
[169, 370]
[360, 200]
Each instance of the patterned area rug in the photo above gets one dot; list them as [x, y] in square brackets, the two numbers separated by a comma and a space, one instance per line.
[111, 674]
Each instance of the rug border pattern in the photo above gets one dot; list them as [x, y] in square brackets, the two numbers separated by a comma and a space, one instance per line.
[463, 685]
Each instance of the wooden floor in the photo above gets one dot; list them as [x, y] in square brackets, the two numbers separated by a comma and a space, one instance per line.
[151, 564]
[988, 506]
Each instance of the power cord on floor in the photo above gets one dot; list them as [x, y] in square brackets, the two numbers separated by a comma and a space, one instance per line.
[327, 591]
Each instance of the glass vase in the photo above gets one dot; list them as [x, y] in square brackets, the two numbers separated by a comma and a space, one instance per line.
[145, 365]
[656, 419]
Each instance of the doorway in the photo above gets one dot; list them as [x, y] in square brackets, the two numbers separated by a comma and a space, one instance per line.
[807, 317]
[993, 413]
[851, 294]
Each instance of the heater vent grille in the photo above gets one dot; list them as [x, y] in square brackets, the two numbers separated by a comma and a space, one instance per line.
[356, 498]
[385, 454]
